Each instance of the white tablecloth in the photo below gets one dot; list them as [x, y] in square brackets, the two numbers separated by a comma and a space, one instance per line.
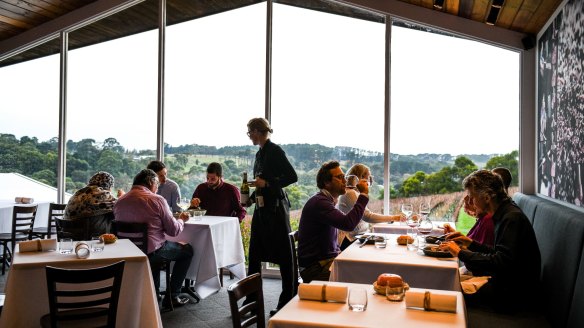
[402, 229]
[6, 207]
[364, 265]
[26, 286]
[216, 242]
[380, 313]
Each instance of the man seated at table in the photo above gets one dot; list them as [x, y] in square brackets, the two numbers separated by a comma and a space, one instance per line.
[142, 204]
[216, 196]
[168, 188]
[320, 219]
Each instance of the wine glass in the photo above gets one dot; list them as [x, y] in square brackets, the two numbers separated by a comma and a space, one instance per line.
[407, 210]
[425, 210]
[352, 181]
[184, 203]
[425, 228]
[413, 221]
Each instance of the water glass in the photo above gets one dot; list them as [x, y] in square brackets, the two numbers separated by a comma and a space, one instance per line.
[412, 240]
[382, 243]
[66, 246]
[97, 244]
[358, 299]
[395, 294]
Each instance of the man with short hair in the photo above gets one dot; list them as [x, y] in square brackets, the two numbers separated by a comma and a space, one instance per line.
[218, 197]
[168, 188]
[142, 205]
[320, 219]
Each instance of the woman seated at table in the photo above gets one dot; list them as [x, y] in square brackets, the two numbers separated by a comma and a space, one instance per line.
[512, 265]
[95, 202]
[347, 201]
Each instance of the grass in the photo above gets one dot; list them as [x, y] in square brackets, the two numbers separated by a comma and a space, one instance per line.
[465, 222]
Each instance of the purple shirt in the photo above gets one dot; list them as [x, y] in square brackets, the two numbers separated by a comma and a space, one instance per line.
[143, 206]
[222, 201]
[319, 221]
[483, 231]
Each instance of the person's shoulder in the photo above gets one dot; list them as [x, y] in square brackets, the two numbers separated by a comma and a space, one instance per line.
[229, 186]
[172, 183]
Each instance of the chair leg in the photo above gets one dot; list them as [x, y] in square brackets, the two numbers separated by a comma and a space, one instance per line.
[168, 289]
[221, 276]
[4, 245]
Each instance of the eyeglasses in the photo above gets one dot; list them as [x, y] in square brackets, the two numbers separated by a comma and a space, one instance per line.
[340, 177]
[250, 132]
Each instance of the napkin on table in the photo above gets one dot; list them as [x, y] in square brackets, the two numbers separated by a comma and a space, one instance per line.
[431, 301]
[24, 200]
[37, 245]
[322, 292]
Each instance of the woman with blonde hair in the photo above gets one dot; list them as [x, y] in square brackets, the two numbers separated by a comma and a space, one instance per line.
[270, 224]
[347, 201]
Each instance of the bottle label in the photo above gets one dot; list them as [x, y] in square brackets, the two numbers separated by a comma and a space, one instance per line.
[244, 198]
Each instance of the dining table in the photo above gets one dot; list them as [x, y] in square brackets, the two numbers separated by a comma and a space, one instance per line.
[379, 312]
[364, 264]
[401, 228]
[26, 286]
[216, 242]
[7, 207]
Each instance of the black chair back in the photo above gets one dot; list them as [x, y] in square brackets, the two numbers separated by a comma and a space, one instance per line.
[77, 229]
[55, 211]
[296, 273]
[136, 232]
[250, 286]
[23, 222]
[95, 305]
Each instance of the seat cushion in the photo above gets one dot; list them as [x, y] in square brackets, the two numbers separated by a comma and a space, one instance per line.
[559, 231]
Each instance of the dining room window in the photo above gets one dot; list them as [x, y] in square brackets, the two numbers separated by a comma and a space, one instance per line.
[214, 84]
[30, 125]
[454, 109]
[112, 102]
[327, 96]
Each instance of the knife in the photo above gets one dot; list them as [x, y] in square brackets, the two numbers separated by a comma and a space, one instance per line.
[365, 241]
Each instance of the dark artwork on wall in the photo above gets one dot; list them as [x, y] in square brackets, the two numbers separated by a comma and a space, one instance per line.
[561, 106]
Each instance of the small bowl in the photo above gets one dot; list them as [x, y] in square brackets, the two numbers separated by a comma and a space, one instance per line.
[197, 213]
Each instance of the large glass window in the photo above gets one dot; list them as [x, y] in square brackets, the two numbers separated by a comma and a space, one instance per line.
[29, 127]
[215, 83]
[328, 96]
[454, 108]
[112, 102]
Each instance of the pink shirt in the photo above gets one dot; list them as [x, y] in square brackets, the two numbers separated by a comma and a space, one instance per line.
[143, 206]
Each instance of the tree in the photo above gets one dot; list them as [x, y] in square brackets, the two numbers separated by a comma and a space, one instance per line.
[113, 145]
[509, 161]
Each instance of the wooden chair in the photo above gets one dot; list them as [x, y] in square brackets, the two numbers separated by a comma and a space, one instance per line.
[87, 306]
[296, 272]
[222, 272]
[75, 229]
[55, 211]
[250, 286]
[137, 233]
[22, 223]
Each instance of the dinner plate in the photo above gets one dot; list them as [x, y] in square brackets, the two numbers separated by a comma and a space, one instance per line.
[435, 253]
[369, 239]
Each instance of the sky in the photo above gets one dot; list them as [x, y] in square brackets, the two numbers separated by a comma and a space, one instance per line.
[449, 95]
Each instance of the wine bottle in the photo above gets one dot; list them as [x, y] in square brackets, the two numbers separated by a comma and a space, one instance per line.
[244, 190]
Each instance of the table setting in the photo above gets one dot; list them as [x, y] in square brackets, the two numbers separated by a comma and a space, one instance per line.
[363, 262]
[339, 304]
[26, 289]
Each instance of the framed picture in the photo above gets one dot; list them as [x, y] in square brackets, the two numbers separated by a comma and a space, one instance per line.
[560, 104]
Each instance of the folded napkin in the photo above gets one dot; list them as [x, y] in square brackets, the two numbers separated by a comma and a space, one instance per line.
[323, 293]
[471, 285]
[37, 245]
[431, 301]
[24, 200]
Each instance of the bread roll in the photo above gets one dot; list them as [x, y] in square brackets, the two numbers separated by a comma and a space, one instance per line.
[390, 279]
[403, 240]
